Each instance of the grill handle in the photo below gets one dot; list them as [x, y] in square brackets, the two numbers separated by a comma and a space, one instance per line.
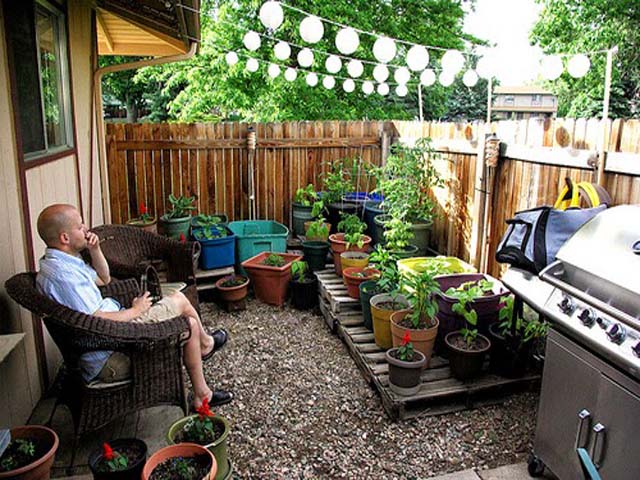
[599, 430]
[583, 416]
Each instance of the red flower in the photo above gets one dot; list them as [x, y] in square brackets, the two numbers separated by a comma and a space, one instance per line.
[406, 339]
[204, 410]
[107, 452]
[143, 209]
[182, 238]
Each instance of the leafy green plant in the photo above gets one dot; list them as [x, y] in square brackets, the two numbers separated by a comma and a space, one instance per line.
[184, 469]
[306, 196]
[200, 429]
[422, 298]
[344, 175]
[19, 452]
[181, 206]
[318, 229]
[203, 220]
[353, 229]
[465, 294]
[209, 233]
[397, 234]
[144, 215]
[385, 261]
[318, 210]
[112, 460]
[299, 270]
[525, 330]
[274, 260]
[406, 351]
[234, 281]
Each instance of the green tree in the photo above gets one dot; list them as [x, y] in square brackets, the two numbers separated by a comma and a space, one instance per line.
[123, 87]
[578, 26]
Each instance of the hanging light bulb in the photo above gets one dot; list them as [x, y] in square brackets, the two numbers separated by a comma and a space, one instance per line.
[401, 90]
[402, 75]
[273, 70]
[333, 64]
[578, 65]
[445, 78]
[305, 57]
[251, 41]
[347, 41]
[311, 79]
[349, 85]
[470, 78]
[271, 14]
[355, 68]
[311, 29]
[231, 58]
[428, 77]
[383, 89]
[367, 87]
[282, 50]
[290, 74]
[252, 65]
[328, 82]
[452, 61]
[384, 49]
[380, 73]
[417, 58]
[551, 67]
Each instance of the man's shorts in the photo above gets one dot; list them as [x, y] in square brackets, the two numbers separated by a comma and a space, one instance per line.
[165, 309]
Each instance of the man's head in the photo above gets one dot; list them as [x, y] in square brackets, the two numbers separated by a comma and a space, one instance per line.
[60, 226]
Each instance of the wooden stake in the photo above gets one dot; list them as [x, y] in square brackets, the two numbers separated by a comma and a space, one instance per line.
[605, 114]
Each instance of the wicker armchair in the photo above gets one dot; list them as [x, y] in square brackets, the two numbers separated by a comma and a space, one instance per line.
[155, 351]
[128, 249]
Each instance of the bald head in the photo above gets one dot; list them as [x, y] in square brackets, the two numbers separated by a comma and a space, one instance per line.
[55, 220]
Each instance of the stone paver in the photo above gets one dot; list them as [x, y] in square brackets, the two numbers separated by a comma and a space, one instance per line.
[463, 475]
[517, 471]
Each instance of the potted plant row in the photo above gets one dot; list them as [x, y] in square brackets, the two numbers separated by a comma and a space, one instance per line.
[29, 454]
[270, 274]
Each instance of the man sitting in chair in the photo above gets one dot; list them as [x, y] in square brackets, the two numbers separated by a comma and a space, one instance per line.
[67, 279]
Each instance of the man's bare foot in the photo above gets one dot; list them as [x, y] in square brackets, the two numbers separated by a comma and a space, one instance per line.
[207, 345]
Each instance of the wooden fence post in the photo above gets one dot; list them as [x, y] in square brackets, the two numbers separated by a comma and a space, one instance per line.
[479, 197]
[251, 152]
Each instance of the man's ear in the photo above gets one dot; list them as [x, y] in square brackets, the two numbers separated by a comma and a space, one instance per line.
[64, 238]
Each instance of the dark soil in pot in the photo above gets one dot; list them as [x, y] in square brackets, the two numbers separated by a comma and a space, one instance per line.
[134, 449]
[508, 356]
[198, 466]
[304, 295]
[465, 361]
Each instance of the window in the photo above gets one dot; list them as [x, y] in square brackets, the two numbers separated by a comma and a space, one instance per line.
[536, 99]
[509, 100]
[37, 37]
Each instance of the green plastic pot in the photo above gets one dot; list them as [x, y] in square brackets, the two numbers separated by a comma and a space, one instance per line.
[421, 236]
[301, 214]
[173, 227]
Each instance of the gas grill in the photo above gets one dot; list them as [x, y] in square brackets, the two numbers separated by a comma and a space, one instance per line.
[589, 413]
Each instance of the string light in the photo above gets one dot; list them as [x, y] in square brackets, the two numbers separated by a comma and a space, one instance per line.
[383, 89]
[328, 82]
[311, 79]
[282, 50]
[271, 15]
[305, 57]
[311, 29]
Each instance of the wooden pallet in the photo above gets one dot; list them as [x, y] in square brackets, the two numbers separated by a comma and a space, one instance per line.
[333, 290]
[206, 279]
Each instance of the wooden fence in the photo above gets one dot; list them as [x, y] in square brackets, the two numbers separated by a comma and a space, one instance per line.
[146, 162]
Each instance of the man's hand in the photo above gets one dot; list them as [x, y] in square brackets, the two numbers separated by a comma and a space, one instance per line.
[93, 242]
[141, 304]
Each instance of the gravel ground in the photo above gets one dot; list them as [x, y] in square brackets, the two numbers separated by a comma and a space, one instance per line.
[303, 410]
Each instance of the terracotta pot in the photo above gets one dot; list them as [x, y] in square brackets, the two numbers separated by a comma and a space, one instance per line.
[179, 450]
[423, 339]
[317, 238]
[466, 364]
[353, 259]
[353, 280]
[39, 469]
[233, 294]
[381, 317]
[151, 226]
[339, 245]
[270, 284]
[404, 376]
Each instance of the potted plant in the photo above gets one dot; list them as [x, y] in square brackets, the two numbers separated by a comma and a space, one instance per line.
[381, 259]
[206, 429]
[304, 286]
[420, 321]
[350, 238]
[203, 220]
[218, 245]
[233, 289]
[384, 304]
[339, 179]
[405, 367]
[315, 254]
[353, 259]
[318, 228]
[302, 208]
[397, 235]
[184, 461]
[29, 454]
[145, 220]
[270, 274]
[512, 340]
[177, 220]
[354, 276]
[121, 459]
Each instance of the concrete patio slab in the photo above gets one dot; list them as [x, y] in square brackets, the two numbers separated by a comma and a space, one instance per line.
[462, 475]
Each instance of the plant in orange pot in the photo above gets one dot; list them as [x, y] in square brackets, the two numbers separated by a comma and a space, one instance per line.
[350, 238]
[354, 276]
[183, 461]
[145, 221]
[270, 274]
[30, 453]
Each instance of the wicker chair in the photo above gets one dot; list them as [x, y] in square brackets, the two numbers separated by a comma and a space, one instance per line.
[155, 351]
[129, 249]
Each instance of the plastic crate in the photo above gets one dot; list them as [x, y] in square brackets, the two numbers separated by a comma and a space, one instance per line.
[257, 236]
[441, 264]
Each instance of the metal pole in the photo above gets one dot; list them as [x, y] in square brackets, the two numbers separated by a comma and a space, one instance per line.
[251, 147]
[489, 91]
[420, 101]
[605, 113]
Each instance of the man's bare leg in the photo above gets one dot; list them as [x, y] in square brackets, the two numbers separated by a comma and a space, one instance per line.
[193, 362]
[185, 308]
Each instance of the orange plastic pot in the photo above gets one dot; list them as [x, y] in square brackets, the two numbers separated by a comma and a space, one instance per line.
[354, 276]
[423, 339]
[179, 450]
[270, 284]
[233, 294]
[339, 245]
[41, 468]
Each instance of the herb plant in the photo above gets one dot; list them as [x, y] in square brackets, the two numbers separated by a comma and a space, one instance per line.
[274, 260]
[397, 234]
[306, 196]
[203, 220]
[180, 206]
[19, 452]
[299, 270]
[234, 281]
[518, 327]
[465, 294]
[422, 298]
[209, 233]
[112, 460]
[405, 351]
[343, 176]
[353, 229]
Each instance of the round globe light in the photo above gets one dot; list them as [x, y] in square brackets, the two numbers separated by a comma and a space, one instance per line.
[349, 85]
[485, 67]
[384, 49]
[252, 65]
[231, 58]
[347, 41]
[305, 57]
[551, 66]
[367, 87]
[428, 77]
[401, 90]
[273, 70]
[383, 89]
[470, 78]
[311, 29]
[282, 50]
[311, 79]
[333, 64]
[290, 74]
[417, 58]
[445, 78]
[328, 82]
[251, 40]
[452, 61]
[402, 75]
[355, 68]
[271, 14]
[578, 65]
[380, 73]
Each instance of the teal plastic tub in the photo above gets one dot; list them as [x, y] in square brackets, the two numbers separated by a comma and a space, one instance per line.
[257, 236]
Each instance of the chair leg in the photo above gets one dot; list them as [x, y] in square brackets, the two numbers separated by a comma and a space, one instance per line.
[53, 411]
[76, 441]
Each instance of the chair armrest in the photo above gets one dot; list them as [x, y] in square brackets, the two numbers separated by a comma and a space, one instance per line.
[124, 291]
[181, 262]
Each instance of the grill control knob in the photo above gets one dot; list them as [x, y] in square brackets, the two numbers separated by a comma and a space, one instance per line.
[587, 317]
[602, 323]
[636, 349]
[566, 305]
[616, 333]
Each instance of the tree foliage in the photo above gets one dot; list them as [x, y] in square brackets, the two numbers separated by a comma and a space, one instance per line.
[123, 87]
[578, 26]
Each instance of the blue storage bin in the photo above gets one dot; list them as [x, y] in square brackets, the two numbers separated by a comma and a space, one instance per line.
[216, 252]
[257, 236]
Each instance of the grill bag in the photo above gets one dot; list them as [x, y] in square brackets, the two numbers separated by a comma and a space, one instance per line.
[534, 236]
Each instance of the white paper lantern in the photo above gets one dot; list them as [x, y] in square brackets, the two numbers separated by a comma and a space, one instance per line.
[347, 41]
[383, 89]
[452, 61]
[428, 77]
[551, 66]
[252, 65]
[271, 15]
[486, 66]
[311, 29]
[333, 64]
[305, 57]
[355, 68]
[367, 87]
[231, 58]
[273, 70]
[380, 73]
[578, 65]
[417, 58]
[470, 78]
[401, 90]
[251, 40]
[311, 79]
[290, 74]
[349, 85]
[328, 82]
[402, 75]
[384, 49]
[446, 78]
[282, 50]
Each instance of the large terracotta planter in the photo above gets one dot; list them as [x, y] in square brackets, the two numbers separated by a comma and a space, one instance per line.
[39, 469]
[404, 376]
[270, 284]
[354, 276]
[179, 450]
[466, 364]
[381, 317]
[423, 339]
[134, 468]
[339, 245]
[150, 226]
[353, 259]
[218, 448]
